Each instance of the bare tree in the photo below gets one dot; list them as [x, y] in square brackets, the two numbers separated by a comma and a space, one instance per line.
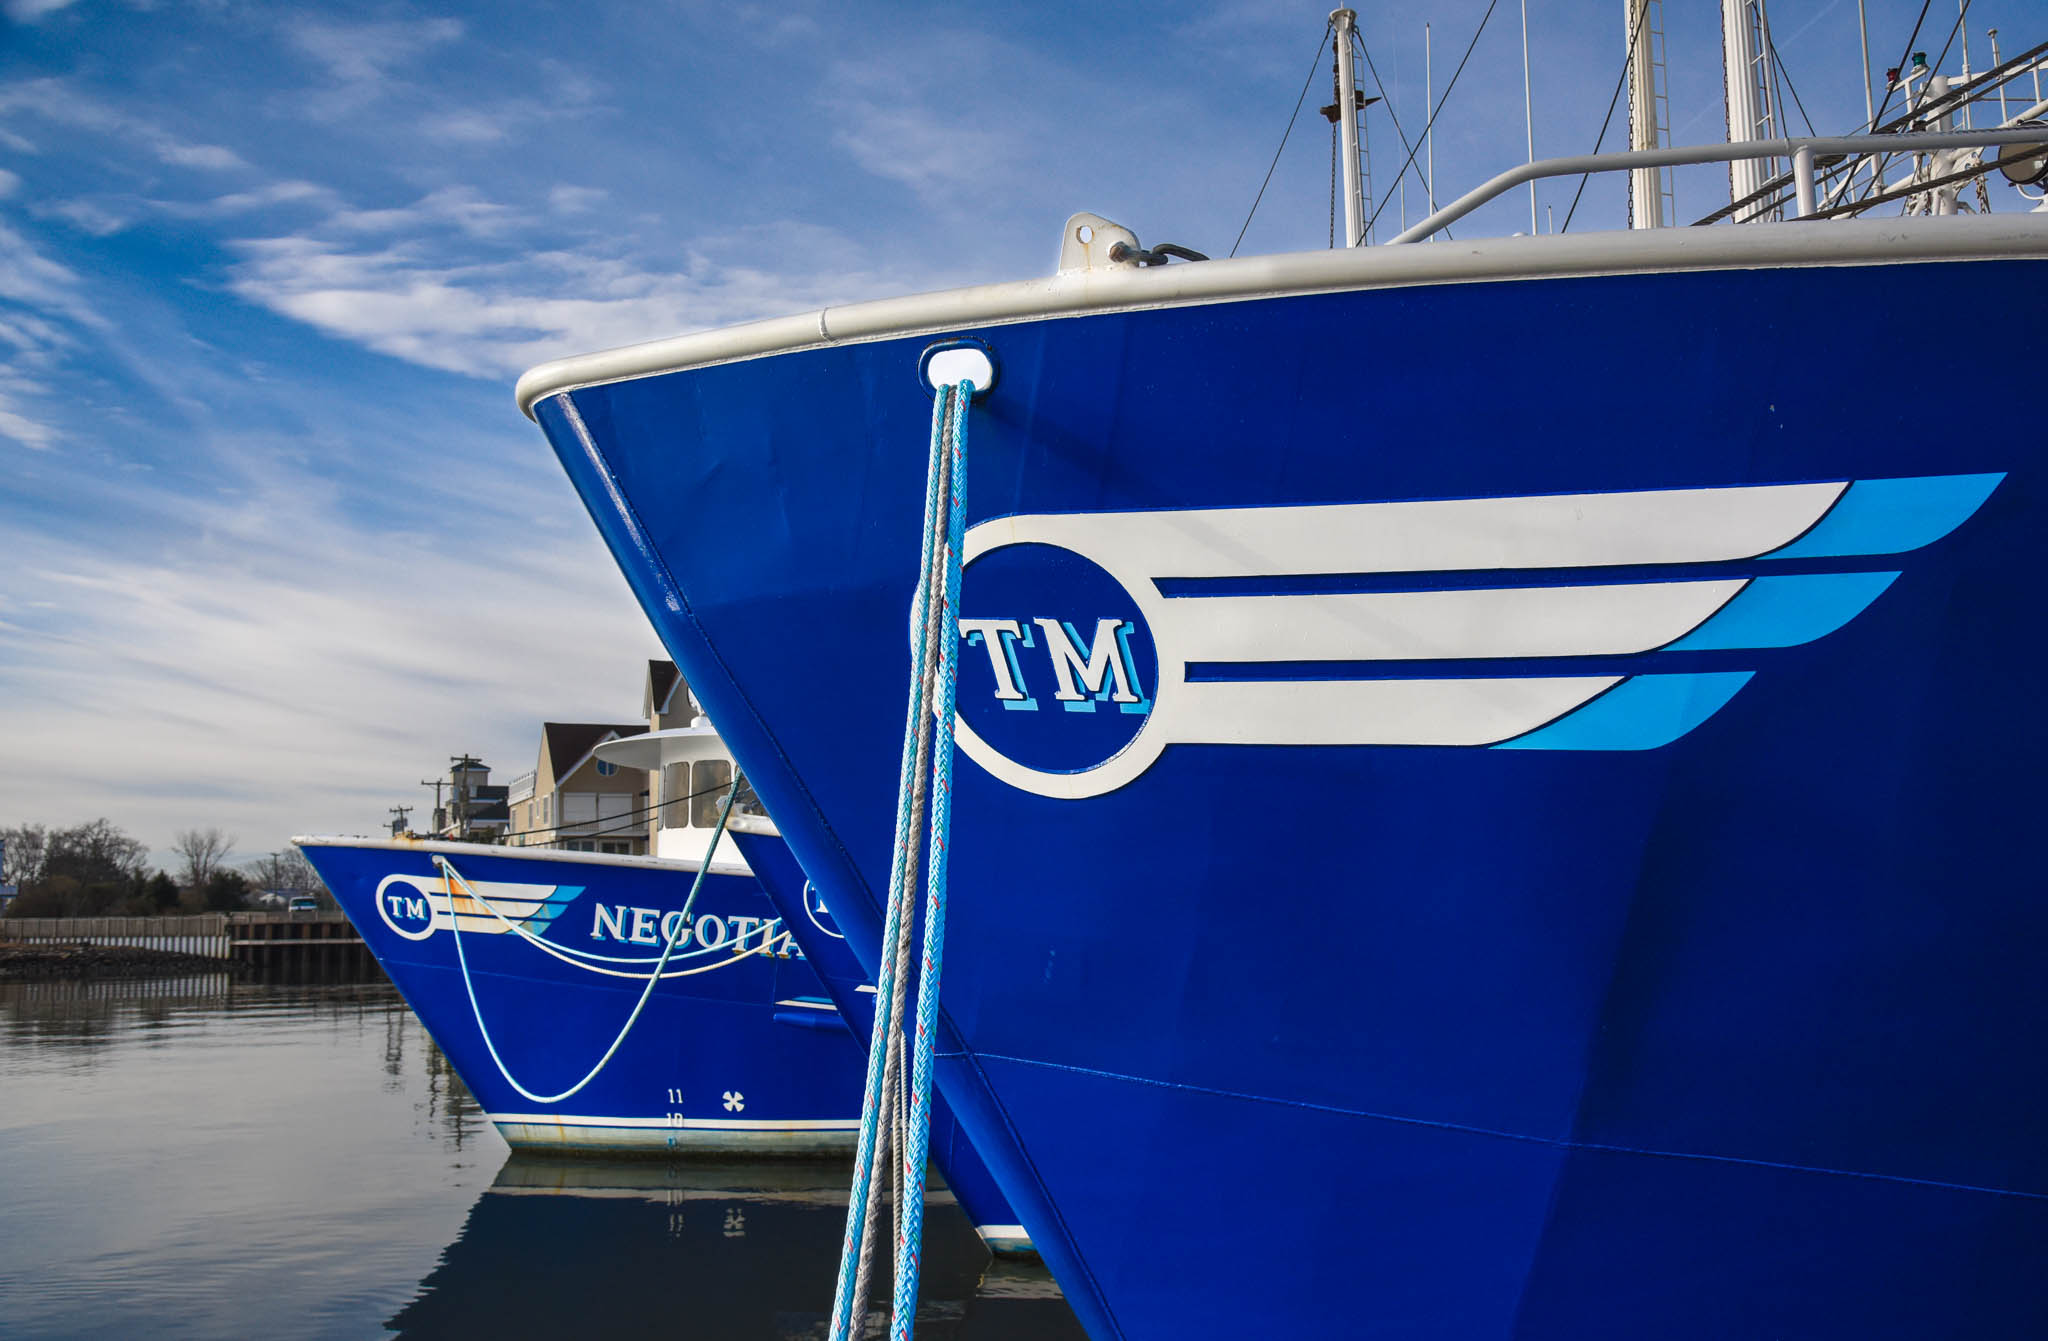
[286, 870]
[205, 851]
[97, 852]
[27, 847]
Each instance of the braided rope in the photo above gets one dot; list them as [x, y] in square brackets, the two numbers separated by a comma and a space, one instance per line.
[893, 1075]
[885, 985]
[910, 1216]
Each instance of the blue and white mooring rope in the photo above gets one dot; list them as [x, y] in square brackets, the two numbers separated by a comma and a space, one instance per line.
[928, 736]
[653, 979]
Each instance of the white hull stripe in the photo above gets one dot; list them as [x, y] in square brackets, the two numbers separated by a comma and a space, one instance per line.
[1610, 620]
[1662, 526]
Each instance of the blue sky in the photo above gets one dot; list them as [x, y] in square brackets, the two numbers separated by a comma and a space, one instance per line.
[276, 541]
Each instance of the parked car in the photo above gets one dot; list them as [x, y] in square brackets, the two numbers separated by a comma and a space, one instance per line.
[302, 903]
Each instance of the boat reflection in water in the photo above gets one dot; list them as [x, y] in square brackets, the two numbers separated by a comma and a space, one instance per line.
[557, 1247]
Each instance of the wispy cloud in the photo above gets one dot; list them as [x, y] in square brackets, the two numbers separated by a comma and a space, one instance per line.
[494, 319]
[289, 192]
[57, 101]
[28, 11]
[42, 310]
[365, 53]
[576, 199]
[919, 145]
[87, 216]
[30, 433]
[289, 643]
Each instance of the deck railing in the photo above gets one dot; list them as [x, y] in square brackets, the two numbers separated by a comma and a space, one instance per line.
[1801, 149]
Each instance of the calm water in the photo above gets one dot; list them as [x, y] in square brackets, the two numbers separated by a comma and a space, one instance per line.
[194, 1158]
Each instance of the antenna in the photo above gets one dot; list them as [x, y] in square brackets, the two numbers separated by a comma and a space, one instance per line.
[1863, 32]
[1528, 113]
[1429, 119]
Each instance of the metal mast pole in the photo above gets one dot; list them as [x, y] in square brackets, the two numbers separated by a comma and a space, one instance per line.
[1429, 118]
[1528, 114]
[1745, 101]
[1645, 187]
[1869, 106]
[1345, 22]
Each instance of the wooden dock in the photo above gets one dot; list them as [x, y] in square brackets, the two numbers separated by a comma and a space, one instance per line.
[323, 944]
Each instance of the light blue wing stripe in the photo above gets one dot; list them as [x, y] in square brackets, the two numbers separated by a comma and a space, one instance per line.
[1786, 611]
[552, 907]
[1892, 516]
[1640, 713]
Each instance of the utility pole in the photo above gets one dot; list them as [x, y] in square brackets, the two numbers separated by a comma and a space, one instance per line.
[437, 784]
[398, 824]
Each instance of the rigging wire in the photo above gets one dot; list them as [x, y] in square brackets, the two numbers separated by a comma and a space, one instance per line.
[1387, 101]
[1333, 186]
[1300, 98]
[1434, 112]
[1785, 77]
[1876, 183]
[1627, 60]
[1892, 86]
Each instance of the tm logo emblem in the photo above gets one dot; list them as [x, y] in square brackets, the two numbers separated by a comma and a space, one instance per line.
[1107, 672]
[406, 904]
[1058, 670]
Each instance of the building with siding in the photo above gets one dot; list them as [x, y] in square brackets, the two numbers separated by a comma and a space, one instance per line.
[577, 801]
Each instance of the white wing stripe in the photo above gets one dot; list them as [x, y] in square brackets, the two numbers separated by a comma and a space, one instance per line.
[1545, 531]
[1430, 625]
[1376, 712]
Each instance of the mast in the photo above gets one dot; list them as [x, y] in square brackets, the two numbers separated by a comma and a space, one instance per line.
[1429, 120]
[1528, 114]
[1345, 22]
[1746, 98]
[1863, 34]
[1645, 185]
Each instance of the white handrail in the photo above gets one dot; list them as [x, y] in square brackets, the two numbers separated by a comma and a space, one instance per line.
[1710, 153]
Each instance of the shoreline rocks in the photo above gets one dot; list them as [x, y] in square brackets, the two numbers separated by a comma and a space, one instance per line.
[20, 962]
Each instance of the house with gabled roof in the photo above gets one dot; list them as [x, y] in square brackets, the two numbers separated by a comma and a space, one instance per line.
[666, 700]
[577, 800]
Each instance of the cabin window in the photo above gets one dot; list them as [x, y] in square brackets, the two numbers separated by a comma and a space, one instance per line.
[675, 796]
[708, 780]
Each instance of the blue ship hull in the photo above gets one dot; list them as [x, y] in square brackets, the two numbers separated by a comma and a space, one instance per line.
[1469, 949]
[809, 919]
[736, 1051]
